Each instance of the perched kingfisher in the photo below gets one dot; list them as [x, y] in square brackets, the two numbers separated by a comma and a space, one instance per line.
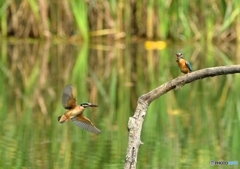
[184, 65]
[75, 112]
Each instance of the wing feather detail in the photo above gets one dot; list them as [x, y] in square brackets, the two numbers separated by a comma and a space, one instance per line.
[68, 101]
[84, 123]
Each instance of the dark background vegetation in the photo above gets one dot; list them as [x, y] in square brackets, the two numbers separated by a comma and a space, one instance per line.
[116, 19]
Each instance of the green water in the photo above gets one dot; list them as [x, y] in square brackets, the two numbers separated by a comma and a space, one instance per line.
[186, 128]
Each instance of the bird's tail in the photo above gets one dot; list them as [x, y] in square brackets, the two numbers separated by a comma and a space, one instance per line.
[62, 118]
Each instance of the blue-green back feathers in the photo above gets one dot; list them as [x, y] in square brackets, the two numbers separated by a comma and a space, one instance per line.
[189, 66]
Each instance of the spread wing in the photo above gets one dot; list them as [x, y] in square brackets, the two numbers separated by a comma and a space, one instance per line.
[189, 65]
[84, 123]
[68, 101]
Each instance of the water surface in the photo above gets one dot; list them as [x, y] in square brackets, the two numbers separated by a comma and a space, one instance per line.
[186, 128]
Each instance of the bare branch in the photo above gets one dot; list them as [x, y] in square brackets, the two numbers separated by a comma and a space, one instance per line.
[135, 122]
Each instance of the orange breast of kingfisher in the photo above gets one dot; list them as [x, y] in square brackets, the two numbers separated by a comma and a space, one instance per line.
[182, 65]
[75, 111]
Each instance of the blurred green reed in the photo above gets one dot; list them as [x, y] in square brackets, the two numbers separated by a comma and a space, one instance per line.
[154, 19]
[80, 68]
[34, 6]
[185, 128]
[3, 17]
[163, 14]
[80, 13]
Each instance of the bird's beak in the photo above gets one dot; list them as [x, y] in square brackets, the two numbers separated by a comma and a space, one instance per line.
[92, 105]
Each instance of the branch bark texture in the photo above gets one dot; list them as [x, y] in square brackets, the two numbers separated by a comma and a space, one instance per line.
[135, 123]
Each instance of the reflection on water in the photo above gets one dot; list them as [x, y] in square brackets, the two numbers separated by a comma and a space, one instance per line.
[185, 128]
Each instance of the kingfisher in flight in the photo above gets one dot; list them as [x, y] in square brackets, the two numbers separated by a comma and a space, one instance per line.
[75, 112]
[184, 65]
